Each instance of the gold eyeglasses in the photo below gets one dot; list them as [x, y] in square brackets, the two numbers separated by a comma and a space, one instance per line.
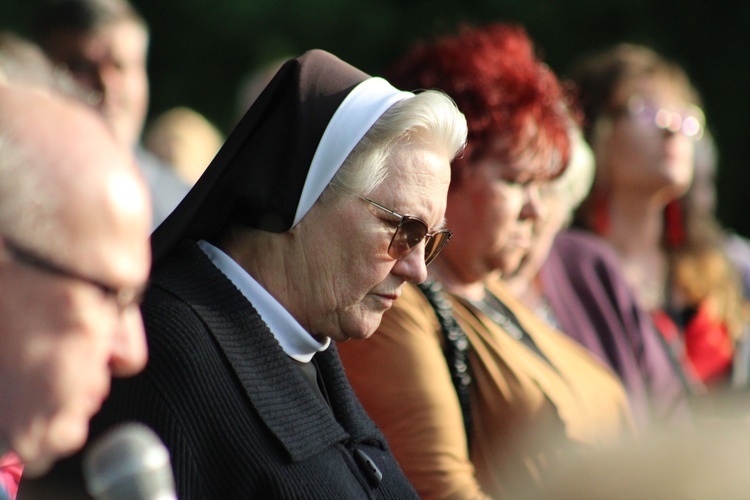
[410, 231]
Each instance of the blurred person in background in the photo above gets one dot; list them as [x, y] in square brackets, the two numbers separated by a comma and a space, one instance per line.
[701, 200]
[22, 62]
[74, 259]
[325, 200]
[253, 83]
[477, 396]
[103, 45]
[184, 139]
[642, 120]
[572, 279]
[700, 210]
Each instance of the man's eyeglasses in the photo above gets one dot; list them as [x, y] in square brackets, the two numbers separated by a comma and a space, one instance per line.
[410, 231]
[688, 119]
[122, 297]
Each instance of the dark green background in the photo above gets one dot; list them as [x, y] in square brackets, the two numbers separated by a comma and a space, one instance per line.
[202, 48]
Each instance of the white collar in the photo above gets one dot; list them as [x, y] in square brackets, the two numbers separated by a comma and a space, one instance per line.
[296, 342]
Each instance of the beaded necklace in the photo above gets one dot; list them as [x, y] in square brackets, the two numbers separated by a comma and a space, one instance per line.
[456, 350]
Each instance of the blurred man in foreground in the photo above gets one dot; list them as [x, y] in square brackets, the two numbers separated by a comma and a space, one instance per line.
[74, 258]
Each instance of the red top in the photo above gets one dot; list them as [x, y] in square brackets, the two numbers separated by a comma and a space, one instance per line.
[707, 345]
[10, 473]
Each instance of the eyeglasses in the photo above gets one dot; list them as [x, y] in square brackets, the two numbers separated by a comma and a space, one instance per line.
[688, 119]
[410, 231]
[122, 297]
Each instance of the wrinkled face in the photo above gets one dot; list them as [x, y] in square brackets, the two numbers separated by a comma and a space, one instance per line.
[353, 277]
[111, 64]
[648, 148]
[491, 212]
[65, 336]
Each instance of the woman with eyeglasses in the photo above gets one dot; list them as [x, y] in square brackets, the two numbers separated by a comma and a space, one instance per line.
[477, 396]
[323, 203]
[642, 121]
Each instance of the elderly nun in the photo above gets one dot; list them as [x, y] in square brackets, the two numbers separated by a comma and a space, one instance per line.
[324, 201]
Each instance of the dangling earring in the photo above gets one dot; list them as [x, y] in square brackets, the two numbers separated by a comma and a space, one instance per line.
[600, 215]
[599, 200]
[674, 225]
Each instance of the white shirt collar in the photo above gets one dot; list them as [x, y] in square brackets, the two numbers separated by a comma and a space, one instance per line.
[296, 342]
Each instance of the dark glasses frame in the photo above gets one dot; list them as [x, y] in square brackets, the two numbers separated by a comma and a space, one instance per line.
[405, 240]
[122, 297]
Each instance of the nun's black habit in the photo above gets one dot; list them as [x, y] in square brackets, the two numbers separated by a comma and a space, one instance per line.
[236, 414]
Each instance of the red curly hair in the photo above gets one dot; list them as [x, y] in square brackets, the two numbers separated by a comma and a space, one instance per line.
[514, 104]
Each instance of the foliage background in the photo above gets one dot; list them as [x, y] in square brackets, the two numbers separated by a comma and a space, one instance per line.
[202, 49]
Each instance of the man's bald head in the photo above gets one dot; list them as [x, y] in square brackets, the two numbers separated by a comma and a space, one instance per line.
[60, 158]
[74, 254]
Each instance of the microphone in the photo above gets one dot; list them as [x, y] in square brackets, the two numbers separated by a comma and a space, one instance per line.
[129, 463]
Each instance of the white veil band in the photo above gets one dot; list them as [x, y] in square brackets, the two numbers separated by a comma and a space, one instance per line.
[364, 105]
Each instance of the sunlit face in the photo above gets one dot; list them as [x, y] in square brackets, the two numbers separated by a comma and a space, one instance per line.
[61, 351]
[637, 155]
[62, 340]
[64, 336]
[111, 64]
[491, 212]
[354, 279]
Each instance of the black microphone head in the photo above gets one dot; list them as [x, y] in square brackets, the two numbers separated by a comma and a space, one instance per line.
[129, 463]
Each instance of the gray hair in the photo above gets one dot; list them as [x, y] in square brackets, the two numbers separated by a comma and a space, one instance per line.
[430, 116]
[29, 200]
[24, 63]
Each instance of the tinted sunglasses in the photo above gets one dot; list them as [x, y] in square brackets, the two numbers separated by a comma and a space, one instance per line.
[122, 297]
[410, 231]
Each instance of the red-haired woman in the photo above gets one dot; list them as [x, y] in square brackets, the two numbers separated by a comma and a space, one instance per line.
[642, 121]
[477, 396]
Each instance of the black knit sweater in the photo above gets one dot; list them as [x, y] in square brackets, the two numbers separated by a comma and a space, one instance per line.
[237, 415]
